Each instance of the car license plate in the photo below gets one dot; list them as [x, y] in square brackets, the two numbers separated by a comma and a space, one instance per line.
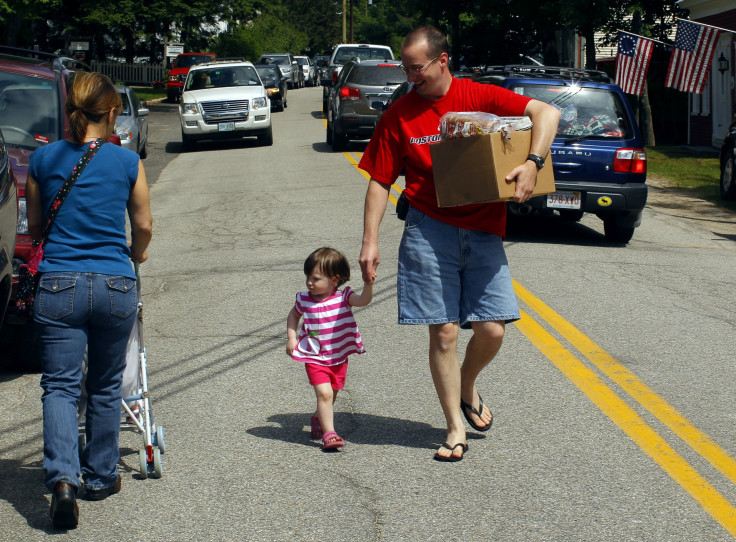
[225, 126]
[563, 200]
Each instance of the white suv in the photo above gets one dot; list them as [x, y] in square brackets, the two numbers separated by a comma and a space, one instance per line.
[224, 100]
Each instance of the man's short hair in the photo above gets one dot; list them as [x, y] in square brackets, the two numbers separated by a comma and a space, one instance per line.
[436, 40]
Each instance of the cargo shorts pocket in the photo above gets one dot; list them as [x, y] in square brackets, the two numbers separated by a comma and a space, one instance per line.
[55, 296]
[123, 296]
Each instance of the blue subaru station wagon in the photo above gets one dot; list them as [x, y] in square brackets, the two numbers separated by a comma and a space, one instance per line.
[598, 156]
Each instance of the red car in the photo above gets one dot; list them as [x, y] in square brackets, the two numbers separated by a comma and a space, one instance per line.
[179, 71]
[33, 90]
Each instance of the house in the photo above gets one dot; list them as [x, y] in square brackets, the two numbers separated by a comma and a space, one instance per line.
[711, 113]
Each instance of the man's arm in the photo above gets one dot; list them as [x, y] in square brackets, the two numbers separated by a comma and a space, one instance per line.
[375, 207]
[545, 119]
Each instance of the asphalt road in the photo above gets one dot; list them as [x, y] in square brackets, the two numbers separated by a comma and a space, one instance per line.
[613, 396]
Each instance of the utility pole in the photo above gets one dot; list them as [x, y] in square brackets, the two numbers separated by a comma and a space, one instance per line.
[344, 21]
[351, 22]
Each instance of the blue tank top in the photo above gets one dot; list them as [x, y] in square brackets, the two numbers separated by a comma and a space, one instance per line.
[88, 234]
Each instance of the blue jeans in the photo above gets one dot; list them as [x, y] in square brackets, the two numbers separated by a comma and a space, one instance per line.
[74, 311]
[450, 274]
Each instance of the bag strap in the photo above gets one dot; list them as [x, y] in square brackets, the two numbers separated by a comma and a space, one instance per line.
[67, 186]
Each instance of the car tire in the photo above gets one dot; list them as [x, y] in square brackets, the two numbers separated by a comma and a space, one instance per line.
[266, 140]
[281, 106]
[728, 178]
[143, 153]
[187, 142]
[616, 233]
[328, 134]
[339, 139]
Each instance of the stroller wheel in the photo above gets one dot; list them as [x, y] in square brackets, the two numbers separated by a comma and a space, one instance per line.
[157, 472]
[159, 439]
[144, 464]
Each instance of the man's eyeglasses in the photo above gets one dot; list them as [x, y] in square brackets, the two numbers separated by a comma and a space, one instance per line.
[412, 69]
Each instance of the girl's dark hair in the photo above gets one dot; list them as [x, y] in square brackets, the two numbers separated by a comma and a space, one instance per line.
[91, 97]
[330, 262]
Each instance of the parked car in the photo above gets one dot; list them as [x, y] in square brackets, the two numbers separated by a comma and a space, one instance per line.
[8, 227]
[358, 97]
[598, 156]
[179, 70]
[224, 100]
[320, 66]
[308, 71]
[346, 52]
[287, 65]
[275, 84]
[33, 90]
[131, 125]
[728, 164]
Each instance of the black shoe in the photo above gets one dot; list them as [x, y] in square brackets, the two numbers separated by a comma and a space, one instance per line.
[64, 510]
[104, 493]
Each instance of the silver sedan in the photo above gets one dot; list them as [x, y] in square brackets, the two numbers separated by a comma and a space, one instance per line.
[132, 125]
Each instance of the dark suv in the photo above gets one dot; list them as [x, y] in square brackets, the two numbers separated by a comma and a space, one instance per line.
[358, 97]
[728, 164]
[8, 225]
[33, 90]
[598, 155]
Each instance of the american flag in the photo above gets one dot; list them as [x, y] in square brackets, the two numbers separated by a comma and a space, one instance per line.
[632, 62]
[690, 61]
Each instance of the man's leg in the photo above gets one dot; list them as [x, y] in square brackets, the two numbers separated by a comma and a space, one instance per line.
[482, 348]
[445, 368]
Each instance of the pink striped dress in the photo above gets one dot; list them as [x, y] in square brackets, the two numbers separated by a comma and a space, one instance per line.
[329, 332]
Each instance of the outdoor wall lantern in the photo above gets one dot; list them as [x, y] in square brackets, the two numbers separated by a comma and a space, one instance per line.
[722, 64]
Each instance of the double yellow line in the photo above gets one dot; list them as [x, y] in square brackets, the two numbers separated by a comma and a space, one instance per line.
[623, 415]
[613, 406]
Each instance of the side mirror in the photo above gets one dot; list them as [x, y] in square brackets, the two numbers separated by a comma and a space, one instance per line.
[142, 112]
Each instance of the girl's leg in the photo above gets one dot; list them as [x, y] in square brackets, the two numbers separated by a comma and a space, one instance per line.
[325, 398]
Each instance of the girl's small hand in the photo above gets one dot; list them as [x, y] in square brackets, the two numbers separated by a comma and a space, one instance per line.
[290, 346]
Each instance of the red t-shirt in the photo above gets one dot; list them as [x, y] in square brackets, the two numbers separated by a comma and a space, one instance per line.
[402, 139]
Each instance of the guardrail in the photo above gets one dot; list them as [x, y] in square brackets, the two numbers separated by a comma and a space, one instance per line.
[130, 73]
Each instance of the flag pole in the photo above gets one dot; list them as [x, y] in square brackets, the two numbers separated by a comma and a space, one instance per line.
[708, 25]
[644, 37]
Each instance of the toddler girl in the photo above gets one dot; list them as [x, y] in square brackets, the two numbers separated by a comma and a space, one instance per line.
[328, 335]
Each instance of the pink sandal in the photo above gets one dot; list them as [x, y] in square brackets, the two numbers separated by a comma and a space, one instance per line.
[329, 444]
[316, 428]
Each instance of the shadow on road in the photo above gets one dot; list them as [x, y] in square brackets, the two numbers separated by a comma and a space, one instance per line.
[23, 489]
[358, 429]
[553, 230]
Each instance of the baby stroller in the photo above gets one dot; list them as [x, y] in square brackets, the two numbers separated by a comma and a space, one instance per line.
[136, 412]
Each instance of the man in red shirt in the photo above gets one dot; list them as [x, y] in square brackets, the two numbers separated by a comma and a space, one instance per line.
[452, 266]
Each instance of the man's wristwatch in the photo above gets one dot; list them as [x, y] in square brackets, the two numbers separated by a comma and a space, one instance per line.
[538, 160]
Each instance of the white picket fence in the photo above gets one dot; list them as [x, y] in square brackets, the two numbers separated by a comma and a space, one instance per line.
[138, 74]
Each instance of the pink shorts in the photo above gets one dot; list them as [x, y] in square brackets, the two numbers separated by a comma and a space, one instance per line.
[324, 374]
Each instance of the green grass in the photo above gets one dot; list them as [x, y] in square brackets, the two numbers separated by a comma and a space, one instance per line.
[150, 93]
[690, 170]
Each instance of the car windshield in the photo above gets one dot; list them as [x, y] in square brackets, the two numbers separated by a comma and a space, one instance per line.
[269, 74]
[345, 54]
[218, 77]
[126, 109]
[387, 74]
[302, 61]
[584, 112]
[187, 61]
[29, 111]
[280, 60]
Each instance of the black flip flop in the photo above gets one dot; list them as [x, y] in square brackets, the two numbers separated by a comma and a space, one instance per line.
[465, 407]
[451, 458]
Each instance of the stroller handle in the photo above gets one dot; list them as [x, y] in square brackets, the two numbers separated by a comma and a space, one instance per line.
[136, 267]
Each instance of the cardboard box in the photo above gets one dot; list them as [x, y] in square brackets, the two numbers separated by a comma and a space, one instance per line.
[473, 169]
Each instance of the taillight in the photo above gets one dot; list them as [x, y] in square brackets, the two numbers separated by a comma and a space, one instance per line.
[334, 76]
[347, 93]
[630, 161]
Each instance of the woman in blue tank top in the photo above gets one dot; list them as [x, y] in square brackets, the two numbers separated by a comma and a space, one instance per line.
[87, 296]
